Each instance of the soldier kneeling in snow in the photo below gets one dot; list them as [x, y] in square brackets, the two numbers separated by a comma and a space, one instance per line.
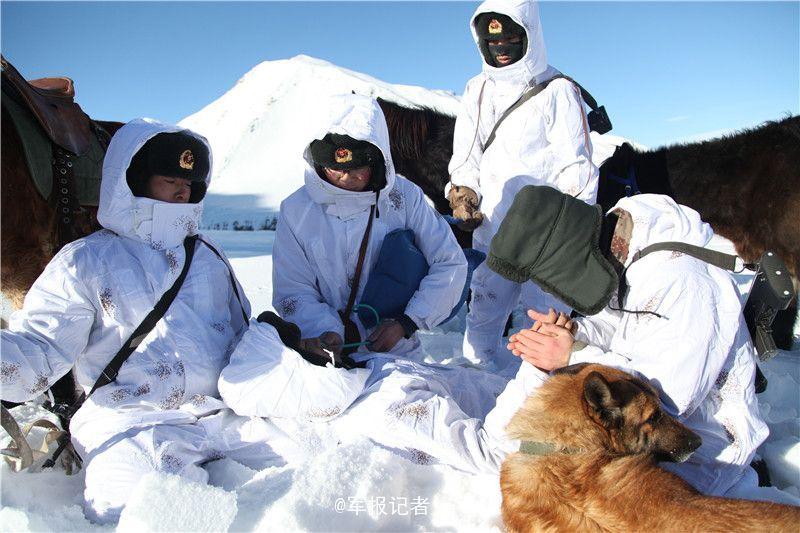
[162, 413]
[672, 318]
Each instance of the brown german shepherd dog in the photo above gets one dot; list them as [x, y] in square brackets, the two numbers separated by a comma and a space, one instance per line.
[604, 432]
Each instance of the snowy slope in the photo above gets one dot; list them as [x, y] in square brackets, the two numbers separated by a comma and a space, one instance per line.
[258, 130]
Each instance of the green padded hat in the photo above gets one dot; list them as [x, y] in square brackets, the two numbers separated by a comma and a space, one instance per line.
[552, 239]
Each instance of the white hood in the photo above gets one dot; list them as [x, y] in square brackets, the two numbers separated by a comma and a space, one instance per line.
[534, 63]
[657, 218]
[361, 118]
[159, 224]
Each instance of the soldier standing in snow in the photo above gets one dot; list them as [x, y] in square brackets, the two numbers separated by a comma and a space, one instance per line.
[352, 196]
[162, 413]
[543, 142]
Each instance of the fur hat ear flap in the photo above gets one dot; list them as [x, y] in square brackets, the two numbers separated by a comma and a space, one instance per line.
[599, 397]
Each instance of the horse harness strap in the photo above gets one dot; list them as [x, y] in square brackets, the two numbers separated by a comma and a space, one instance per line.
[66, 205]
[530, 447]
[630, 183]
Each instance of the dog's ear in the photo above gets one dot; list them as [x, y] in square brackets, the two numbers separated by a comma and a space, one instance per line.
[603, 408]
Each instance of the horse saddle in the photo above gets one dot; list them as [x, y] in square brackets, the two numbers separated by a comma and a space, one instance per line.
[40, 146]
[50, 100]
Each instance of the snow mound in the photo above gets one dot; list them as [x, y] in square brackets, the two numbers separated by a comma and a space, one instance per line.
[259, 129]
[163, 502]
[358, 487]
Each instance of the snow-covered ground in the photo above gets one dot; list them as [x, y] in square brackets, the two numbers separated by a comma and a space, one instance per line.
[350, 486]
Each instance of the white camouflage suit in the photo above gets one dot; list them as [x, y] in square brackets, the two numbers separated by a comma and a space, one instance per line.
[320, 228]
[163, 413]
[543, 142]
[698, 355]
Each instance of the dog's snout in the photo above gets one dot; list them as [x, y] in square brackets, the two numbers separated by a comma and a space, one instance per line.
[694, 442]
[690, 442]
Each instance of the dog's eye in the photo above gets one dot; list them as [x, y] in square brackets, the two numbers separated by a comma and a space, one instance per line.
[655, 417]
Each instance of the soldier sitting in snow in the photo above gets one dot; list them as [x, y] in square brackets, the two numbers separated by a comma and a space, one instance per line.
[352, 195]
[163, 412]
[328, 240]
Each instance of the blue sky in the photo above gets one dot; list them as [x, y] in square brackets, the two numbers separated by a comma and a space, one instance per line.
[666, 71]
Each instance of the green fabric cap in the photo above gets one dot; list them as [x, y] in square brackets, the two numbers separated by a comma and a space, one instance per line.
[552, 239]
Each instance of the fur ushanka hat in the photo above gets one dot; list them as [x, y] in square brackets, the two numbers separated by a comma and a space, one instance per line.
[493, 26]
[554, 240]
[177, 155]
[342, 152]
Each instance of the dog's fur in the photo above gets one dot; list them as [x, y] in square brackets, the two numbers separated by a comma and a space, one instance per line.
[613, 430]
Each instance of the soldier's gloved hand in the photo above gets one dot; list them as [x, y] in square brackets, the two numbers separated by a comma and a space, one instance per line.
[388, 334]
[318, 350]
[288, 331]
[464, 203]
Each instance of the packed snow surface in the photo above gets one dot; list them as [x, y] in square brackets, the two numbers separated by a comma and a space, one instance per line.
[343, 486]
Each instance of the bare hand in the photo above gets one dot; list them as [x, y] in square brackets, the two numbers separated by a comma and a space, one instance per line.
[386, 336]
[562, 319]
[332, 341]
[548, 344]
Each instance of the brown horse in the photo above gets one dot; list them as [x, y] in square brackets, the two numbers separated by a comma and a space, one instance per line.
[30, 223]
[745, 185]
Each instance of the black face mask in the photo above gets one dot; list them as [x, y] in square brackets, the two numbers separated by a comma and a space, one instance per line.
[513, 50]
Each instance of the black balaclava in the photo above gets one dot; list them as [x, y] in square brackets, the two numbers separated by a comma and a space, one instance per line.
[342, 152]
[178, 155]
[493, 26]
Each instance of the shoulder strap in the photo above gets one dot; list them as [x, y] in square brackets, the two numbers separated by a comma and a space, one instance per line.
[585, 95]
[712, 257]
[533, 91]
[527, 95]
[111, 370]
[231, 276]
[362, 252]
[718, 259]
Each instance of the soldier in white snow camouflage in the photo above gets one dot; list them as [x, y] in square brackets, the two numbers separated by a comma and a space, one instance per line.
[163, 413]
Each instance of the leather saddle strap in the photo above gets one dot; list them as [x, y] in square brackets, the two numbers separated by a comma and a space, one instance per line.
[66, 204]
[362, 252]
